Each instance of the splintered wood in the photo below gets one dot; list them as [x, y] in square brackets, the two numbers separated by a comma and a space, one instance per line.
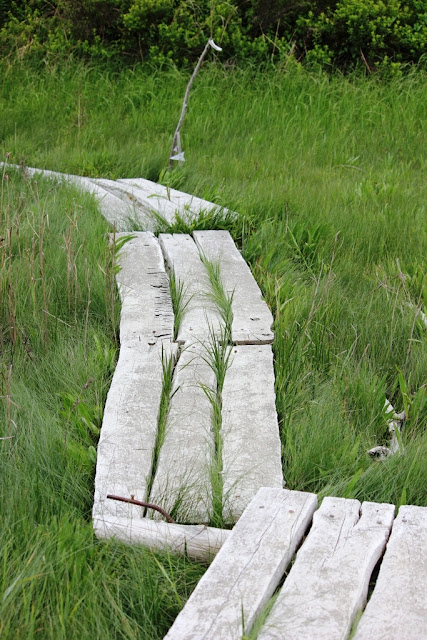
[175, 469]
[324, 593]
[143, 285]
[397, 609]
[328, 583]
[247, 569]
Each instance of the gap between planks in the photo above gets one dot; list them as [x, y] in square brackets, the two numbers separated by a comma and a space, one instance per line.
[183, 471]
[327, 585]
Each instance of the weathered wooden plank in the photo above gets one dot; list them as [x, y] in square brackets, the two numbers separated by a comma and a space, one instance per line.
[201, 316]
[114, 209]
[129, 427]
[153, 206]
[182, 484]
[329, 580]
[185, 203]
[143, 284]
[251, 452]
[196, 541]
[252, 319]
[397, 609]
[247, 569]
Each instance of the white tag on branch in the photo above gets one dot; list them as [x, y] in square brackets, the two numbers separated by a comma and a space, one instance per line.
[214, 46]
[178, 156]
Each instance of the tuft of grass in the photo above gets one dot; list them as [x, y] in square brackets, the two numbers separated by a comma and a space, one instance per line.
[180, 301]
[219, 297]
[187, 222]
[168, 367]
[218, 358]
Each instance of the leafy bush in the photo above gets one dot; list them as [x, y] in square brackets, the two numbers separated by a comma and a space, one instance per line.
[348, 33]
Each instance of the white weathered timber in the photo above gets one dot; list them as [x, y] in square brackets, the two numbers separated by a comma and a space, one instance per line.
[115, 210]
[129, 427]
[201, 317]
[328, 582]
[247, 569]
[196, 541]
[143, 284]
[396, 422]
[251, 451]
[252, 319]
[156, 195]
[157, 207]
[182, 484]
[397, 609]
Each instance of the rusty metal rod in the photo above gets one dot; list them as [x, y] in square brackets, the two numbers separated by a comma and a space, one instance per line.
[148, 505]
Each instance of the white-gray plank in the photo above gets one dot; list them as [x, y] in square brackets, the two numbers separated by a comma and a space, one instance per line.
[201, 317]
[158, 195]
[182, 484]
[251, 451]
[328, 582]
[397, 609]
[153, 207]
[143, 284]
[129, 427]
[252, 319]
[247, 569]
[115, 210]
[196, 541]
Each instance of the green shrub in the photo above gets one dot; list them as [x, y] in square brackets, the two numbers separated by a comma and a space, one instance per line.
[381, 35]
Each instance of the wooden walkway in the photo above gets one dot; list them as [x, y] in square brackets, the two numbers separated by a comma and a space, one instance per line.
[178, 432]
[220, 440]
[135, 202]
[257, 580]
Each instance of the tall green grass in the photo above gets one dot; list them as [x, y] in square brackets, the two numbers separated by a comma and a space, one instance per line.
[58, 320]
[328, 177]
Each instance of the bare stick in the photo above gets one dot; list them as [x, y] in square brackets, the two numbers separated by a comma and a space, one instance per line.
[148, 505]
[176, 144]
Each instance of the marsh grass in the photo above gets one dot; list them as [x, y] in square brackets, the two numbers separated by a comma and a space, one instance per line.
[318, 167]
[180, 301]
[222, 301]
[168, 367]
[217, 355]
[57, 580]
[204, 220]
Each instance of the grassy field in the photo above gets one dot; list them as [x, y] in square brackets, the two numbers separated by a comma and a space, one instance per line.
[328, 177]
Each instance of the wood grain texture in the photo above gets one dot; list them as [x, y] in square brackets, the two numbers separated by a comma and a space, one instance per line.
[182, 484]
[129, 427]
[146, 311]
[329, 580]
[247, 569]
[251, 452]
[141, 200]
[201, 317]
[397, 609]
[195, 541]
[252, 319]
[157, 196]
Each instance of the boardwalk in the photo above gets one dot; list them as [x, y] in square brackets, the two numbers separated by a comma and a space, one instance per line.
[204, 449]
